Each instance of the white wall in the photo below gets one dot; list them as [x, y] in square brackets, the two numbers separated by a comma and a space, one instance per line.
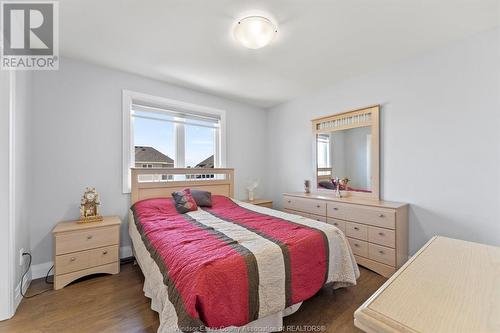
[15, 97]
[440, 137]
[76, 142]
[22, 169]
[6, 290]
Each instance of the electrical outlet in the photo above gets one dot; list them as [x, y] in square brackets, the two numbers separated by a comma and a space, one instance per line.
[21, 257]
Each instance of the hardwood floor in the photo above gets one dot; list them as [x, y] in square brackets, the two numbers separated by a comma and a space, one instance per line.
[116, 303]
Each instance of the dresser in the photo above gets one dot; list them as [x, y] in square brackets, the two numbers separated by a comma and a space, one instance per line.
[82, 249]
[377, 231]
[449, 285]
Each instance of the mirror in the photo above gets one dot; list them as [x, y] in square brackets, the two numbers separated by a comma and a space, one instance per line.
[345, 155]
[347, 152]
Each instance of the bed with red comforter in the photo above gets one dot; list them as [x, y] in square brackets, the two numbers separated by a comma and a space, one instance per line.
[233, 263]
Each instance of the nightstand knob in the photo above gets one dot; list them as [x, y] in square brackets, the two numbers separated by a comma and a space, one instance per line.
[73, 259]
[335, 208]
[318, 206]
[381, 252]
[105, 252]
[356, 228]
[357, 245]
[381, 233]
[89, 237]
[289, 201]
[381, 215]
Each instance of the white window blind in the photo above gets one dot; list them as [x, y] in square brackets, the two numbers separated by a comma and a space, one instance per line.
[164, 133]
[176, 117]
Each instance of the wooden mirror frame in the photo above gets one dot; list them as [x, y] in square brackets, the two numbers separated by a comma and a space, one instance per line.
[364, 117]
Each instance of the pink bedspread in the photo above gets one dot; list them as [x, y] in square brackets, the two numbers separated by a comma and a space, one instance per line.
[212, 278]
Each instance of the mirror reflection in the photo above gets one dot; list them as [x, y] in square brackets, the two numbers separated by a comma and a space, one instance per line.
[344, 155]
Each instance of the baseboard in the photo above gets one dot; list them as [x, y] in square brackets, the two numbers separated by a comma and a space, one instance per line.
[126, 251]
[17, 293]
[40, 270]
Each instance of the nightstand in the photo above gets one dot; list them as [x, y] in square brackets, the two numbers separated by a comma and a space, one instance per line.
[260, 202]
[81, 249]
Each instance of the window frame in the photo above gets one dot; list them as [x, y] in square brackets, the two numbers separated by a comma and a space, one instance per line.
[128, 150]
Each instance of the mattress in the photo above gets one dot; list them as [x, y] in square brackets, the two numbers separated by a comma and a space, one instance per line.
[207, 276]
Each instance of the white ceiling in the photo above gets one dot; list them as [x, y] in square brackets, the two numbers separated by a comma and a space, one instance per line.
[320, 42]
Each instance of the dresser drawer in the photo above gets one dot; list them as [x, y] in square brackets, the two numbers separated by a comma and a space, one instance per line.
[381, 236]
[355, 230]
[378, 217]
[338, 223]
[309, 216]
[72, 262]
[86, 239]
[311, 206]
[103, 255]
[382, 254]
[358, 247]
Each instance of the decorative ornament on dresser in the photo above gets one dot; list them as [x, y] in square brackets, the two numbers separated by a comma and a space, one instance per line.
[251, 188]
[89, 206]
[307, 186]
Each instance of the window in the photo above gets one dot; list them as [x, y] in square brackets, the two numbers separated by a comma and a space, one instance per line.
[161, 133]
[323, 144]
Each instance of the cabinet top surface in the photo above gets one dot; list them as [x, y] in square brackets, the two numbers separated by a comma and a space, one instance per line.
[448, 286]
[75, 226]
[258, 201]
[350, 200]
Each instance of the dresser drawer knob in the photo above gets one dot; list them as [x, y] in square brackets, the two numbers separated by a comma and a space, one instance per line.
[356, 228]
[381, 252]
[72, 259]
[289, 201]
[381, 215]
[357, 245]
[105, 252]
[335, 208]
[335, 223]
[380, 233]
[89, 237]
[318, 206]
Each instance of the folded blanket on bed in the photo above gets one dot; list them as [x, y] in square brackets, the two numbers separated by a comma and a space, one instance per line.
[233, 263]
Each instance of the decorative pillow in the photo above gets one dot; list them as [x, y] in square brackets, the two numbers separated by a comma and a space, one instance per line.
[327, 184]
[184, 201]
[202, 198]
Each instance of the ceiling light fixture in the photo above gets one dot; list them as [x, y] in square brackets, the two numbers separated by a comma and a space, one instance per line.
[254, 32]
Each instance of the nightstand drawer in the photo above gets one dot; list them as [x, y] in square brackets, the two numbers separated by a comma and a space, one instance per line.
[86, 239]
[104, 255]
[72, 262]
[77, 261]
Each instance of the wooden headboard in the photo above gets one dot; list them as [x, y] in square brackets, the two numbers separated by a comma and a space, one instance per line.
[160, 183]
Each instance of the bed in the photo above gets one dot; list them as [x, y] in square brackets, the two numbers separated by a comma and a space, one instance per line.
[233, 266]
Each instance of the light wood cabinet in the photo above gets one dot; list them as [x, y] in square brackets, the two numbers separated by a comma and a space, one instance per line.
[260, 202]
[85, 248]
[449, 285]
[377, 231]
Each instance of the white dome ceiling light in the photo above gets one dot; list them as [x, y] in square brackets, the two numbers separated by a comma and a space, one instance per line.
[254, 32]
